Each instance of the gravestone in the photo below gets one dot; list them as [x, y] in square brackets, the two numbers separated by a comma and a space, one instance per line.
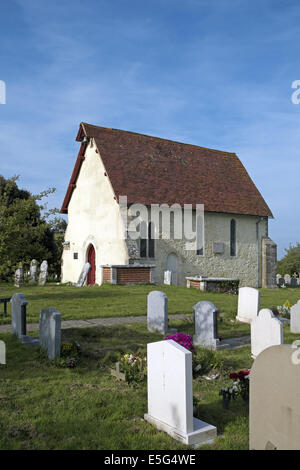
[295, 318]
[50, 332]
[117, 373]
[278, 276]
[19, 276]
[2, 353]
[167, 277]
[281, 281]
[43, 273]
[18, 319]
[248, 304]
[206, 325]
[274, 409]
[287, 278]
[266, 331]
[170, 394]
[294, 282]
[18, 314]
[33, 270]
[157, 312]
[83, 275]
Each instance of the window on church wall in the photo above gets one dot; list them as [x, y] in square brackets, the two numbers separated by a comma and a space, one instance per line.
[199, 236]
[232, 237]
[151, 252]
[143, 240]
[147, 247]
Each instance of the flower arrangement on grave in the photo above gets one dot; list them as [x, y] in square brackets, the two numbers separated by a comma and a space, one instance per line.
[183, 339]
[240, 387]
[69, 353]
[228, 392]
[242, 380]
[285, 309]
[134, 367]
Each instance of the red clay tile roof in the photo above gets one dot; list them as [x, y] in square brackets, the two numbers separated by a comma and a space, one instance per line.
[151, 170]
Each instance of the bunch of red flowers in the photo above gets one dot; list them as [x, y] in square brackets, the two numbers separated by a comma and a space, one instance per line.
[242, 381]
[241, 375]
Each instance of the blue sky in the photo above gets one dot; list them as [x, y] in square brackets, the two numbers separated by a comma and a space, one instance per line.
[215, 73]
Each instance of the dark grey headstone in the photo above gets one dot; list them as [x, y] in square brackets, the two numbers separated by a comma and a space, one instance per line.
[18, 314]
[294, 282]
[50, 332]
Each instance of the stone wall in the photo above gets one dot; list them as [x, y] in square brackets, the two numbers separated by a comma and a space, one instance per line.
[95, 218]
[243, 266]
[269, 263]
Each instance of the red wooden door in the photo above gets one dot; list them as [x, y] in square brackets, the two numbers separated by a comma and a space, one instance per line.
[91, 277]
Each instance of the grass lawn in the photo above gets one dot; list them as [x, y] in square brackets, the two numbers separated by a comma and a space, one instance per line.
[47, 406]
[104, 301]
[44, 405]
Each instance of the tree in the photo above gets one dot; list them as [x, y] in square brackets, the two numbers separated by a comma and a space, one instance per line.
[290, 263]
[24, 233]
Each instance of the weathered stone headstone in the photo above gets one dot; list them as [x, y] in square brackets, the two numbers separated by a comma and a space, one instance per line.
[266, 331]
[157, 312]
[19, 276]
[248, 304]
[281, 281]
[18, 319]
[170, 394]
[278, 276]
[2, 353]
[274, 400]
[33, 270]
[50, 332]
[294, 282]
[117, 373]
[287, 278]
[18, 314]
[206, 325]
[295, 318]
[83, 275]
[167, 277]
[43, 273]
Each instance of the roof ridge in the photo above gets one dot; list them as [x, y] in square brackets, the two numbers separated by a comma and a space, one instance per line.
[159, 138]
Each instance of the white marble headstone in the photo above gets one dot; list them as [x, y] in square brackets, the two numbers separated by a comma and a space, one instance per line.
[248, 304]
[287, 278]
[167, 277]
[83, 274]
[266, 331]
[295, 318]
[170, 393]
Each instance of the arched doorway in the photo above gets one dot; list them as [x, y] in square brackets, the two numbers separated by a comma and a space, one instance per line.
[91, 258]
[172, 265]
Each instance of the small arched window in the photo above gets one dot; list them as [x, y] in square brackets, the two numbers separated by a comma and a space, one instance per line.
[232, 237]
